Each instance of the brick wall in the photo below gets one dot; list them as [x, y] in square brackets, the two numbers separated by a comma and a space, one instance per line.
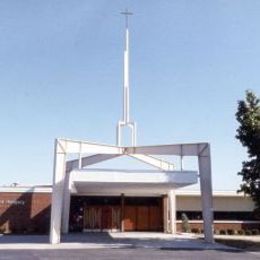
[29, 212]
[25, 212]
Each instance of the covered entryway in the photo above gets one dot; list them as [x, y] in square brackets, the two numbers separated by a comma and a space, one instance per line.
[72, 178]
[100, 213]
[124, 200]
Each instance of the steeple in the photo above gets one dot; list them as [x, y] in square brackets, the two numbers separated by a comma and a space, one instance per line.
[125, 122]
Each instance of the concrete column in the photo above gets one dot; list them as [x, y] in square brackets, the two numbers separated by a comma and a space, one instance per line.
[172, 208]
[57, 193]
[122, 212]
[206, 194]
[66, 205]
[165, 213]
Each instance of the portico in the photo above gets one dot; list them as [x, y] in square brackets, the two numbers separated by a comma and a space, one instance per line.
[75, 177]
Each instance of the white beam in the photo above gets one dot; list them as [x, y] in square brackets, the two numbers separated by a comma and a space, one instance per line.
[75, 146]
[57, 193]
[171, 149]
[206, 194]
[158, 163]
[89, 160]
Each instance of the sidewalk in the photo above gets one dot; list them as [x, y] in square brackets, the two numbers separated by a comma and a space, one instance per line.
[111, 240]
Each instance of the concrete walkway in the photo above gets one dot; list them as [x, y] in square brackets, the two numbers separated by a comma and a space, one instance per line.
[111, 240]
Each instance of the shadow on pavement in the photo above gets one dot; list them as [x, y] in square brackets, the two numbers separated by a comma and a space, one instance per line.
[19, 239]
[164, 243]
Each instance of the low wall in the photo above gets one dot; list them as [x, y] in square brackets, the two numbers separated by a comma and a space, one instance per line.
[222, 225]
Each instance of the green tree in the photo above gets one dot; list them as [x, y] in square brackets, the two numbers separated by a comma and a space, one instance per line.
[248, 133]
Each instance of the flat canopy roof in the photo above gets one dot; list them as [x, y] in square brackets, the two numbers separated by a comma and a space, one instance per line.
[131, 182]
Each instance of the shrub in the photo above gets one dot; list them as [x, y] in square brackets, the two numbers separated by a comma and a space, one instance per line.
[2, 229]
[230, 232]
[7, 230]
[185, 223]
[248, 232]
[255, 232]
[222, 232]
[241, 232]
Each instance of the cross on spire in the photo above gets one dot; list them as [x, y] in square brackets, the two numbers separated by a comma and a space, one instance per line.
[126, 13]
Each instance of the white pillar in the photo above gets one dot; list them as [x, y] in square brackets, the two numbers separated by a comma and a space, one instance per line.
[57, 193]
[66, 205]
[165, 213]
[206, 194]
[172, 208]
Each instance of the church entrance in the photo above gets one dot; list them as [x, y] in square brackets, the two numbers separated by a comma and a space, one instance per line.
[100, 214]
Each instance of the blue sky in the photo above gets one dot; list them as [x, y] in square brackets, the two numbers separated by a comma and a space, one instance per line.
[61, 76]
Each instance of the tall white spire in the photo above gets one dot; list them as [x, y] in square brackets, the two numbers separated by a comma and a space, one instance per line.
[125, 122]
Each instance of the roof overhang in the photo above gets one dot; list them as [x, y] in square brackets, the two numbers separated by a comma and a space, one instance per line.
[129, 182]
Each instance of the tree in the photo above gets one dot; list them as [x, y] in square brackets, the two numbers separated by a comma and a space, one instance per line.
[248, 133]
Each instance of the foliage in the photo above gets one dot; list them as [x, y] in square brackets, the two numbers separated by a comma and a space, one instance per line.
[248, 232]
[248, 133]
[222, 232]
[185, 223]
[255, 231]
[231, 232]
[241, 232]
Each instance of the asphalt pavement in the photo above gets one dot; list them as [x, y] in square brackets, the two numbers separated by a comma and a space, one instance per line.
[132, 245]
[125, 254]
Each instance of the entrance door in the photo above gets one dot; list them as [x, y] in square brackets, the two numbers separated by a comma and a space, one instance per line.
[92, 218]
[106, 218]
[143, 218]
[130, 218]
[156, 218]
[102, 218]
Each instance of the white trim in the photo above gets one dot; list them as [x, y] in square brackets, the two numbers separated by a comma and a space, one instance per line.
[224, 221]
[179, 193]
[216, 193]
[113, 194]
[27, 189]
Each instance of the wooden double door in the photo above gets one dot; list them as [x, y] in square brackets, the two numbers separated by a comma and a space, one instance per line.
[130, 218]
[102, 218]
[143, 218]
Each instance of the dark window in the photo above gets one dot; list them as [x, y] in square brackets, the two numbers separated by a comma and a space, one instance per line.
[227, 215]
[192, 215]
[219, 215]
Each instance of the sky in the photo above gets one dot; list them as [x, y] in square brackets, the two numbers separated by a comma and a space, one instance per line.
[61, 76]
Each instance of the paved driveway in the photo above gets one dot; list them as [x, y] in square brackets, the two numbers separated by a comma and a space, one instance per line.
[125, 254]
[108, 240]
[117, 246]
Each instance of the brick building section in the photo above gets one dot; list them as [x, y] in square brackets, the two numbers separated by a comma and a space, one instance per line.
[29, 212]
[25, 212]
